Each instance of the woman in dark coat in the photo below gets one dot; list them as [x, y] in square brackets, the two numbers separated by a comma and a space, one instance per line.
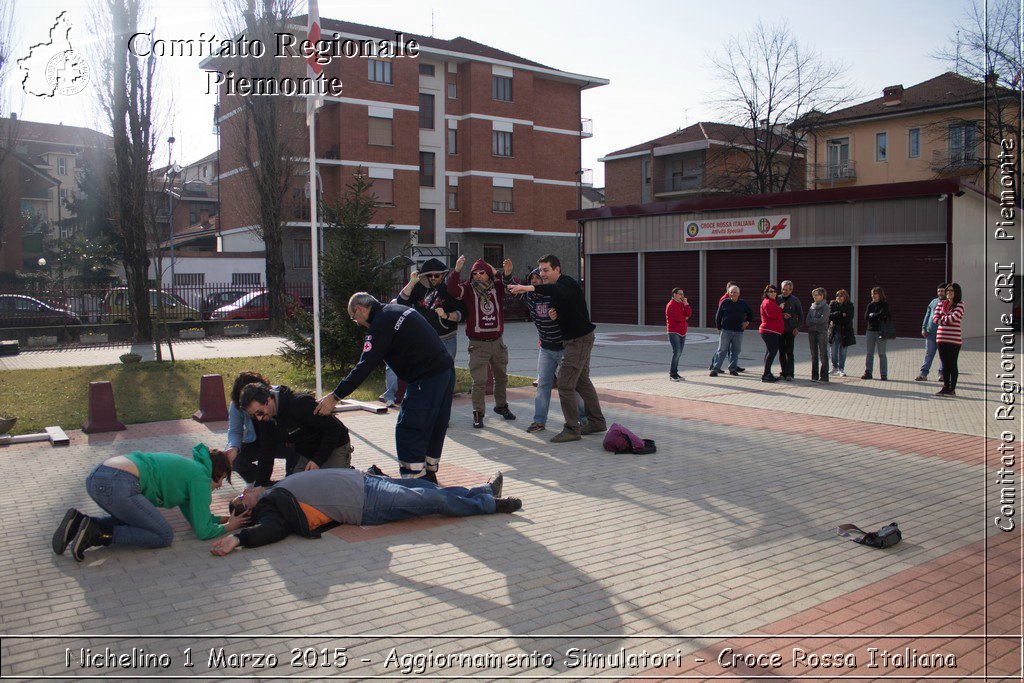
[840, 330]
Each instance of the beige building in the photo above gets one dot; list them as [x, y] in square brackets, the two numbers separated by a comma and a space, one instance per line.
[931, 130]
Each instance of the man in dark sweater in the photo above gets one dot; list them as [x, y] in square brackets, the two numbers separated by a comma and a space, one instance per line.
[732, 318]
[403, 339]
[311, 502]
[573, 316]
[284, 417]
[793, 316]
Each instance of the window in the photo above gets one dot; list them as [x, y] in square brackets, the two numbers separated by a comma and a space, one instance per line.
[193, 214]
[246, 278]
[453, 198]
[453, 140]
[384, 189]
[426, 69]
[502, 200]
[501, 88]
[189, 279]
[301, 256]
[913, 143]
[839, 158]
[453, 91]
[62, 166]
[378, 71]
[501, 143]
[426, 169]
[64, 196]
[881, 146]
[428, 219]
[494, 254]
[645, 189]
[426, 111]
[963, 143]
[453, 253]
[380, 131]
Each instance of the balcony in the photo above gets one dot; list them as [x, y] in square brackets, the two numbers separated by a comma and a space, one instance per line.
[835, 172]
[681, 182]
[586, 128]
[956, 162]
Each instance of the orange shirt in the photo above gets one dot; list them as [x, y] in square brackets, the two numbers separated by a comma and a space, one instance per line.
[314, 517]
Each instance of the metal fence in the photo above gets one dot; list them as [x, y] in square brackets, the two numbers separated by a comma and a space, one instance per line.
[50, 306]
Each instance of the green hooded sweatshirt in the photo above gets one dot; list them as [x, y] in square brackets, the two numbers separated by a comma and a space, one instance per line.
[168, 480]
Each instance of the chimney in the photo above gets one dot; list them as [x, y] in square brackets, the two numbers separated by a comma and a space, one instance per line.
[892, 95]
[14, 116]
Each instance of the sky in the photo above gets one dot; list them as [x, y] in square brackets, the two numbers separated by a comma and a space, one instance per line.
[656, 53]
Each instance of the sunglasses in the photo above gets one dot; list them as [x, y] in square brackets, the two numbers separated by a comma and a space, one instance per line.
[435, 276]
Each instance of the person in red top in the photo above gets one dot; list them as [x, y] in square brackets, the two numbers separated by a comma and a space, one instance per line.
[676, 313]
[949, 314]
[771, 329]
[483, 295]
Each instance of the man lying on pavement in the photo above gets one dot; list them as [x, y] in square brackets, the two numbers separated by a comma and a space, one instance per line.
[310, 502]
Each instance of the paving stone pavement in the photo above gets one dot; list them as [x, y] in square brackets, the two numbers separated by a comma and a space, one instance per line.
[715, 557]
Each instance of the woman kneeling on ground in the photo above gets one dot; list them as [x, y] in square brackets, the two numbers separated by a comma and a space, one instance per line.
[131, 487]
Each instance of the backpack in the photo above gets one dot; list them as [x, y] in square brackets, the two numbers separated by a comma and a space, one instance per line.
[620, 440]
[886, 537]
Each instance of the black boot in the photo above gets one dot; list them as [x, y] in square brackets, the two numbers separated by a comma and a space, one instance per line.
[507, 505]
[91, 534]
[478, 419]
[66, 530]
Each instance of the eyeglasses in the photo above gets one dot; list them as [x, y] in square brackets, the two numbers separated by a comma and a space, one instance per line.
[771, 291]
[258, 413]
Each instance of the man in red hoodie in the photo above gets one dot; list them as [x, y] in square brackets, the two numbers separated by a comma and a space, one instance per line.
[483, 295]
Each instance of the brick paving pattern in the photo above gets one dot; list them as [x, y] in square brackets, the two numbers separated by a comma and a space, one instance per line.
[722, 541]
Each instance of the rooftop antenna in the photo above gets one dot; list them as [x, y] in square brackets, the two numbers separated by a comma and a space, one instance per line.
[431, 22]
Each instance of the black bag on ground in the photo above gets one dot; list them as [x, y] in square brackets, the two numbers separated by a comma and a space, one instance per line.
[886, 537]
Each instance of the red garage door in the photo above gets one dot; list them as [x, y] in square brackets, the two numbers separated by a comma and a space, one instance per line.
[663, 272]
[613, 288]
[811, 267]
[748, 268]
[909, 274]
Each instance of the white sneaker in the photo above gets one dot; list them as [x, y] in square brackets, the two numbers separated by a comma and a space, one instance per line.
[841, 373]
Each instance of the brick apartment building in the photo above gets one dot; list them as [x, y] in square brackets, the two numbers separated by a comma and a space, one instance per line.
[470, 149]
[700, 160]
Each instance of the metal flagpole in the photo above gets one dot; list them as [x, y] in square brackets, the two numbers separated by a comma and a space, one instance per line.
[313, 102]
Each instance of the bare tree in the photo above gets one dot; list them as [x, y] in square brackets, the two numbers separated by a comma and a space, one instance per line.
[9, 131]
[777, 90]
[985, 47]
[270, 135]
[127, 98]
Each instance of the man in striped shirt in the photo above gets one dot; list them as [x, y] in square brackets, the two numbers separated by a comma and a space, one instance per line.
[548, 356]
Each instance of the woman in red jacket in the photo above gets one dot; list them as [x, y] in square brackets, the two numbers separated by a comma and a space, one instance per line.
[676, 313]
[772, 327]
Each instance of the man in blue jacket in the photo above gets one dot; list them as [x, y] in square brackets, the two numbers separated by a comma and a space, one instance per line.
[732, 318]
[402, 338]
[929, 328]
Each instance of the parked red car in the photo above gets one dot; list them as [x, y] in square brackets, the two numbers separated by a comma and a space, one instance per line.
[252, 306]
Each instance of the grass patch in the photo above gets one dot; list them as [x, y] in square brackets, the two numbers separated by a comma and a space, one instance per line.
[151, 392]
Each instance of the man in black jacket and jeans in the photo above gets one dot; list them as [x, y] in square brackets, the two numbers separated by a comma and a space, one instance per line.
[573, 318]
[284, 417]
[402, 338]
[311, 502]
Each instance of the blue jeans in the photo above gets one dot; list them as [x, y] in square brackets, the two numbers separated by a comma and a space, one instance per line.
[136, 521]
[451, 345]
[930, 347]
[390, 385]
[423, 423]
[874, 338]
[391, 500]
[547, 366]
[678, 341]
[729, 342]
[838, 353]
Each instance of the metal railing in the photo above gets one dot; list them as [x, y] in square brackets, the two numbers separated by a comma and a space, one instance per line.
[681, 182]
[828, 172]
[955, 161]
